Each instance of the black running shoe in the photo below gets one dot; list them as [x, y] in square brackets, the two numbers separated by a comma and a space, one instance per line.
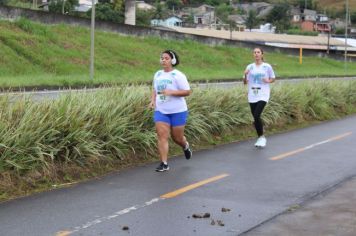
[188, 153]
[162, 167]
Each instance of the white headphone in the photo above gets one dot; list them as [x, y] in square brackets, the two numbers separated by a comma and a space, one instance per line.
[173, 61]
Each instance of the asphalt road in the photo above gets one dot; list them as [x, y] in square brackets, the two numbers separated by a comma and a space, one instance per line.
[254, 184]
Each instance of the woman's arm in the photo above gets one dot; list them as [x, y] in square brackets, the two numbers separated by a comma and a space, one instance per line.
[245, 79]
[269, 80]
[270, 76]
[178, 93]
[153, 99]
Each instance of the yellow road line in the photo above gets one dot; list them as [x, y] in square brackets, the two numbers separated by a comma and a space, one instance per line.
[63, 233]
[130, 209]
[287, 154]
[192, 186]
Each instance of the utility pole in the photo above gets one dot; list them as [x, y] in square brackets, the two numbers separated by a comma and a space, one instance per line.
[328, 49]
[63, 3]
[230, 27]
[346, 29]
[92, 31]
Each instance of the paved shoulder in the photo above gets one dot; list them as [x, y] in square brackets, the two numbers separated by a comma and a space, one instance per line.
[331, 213]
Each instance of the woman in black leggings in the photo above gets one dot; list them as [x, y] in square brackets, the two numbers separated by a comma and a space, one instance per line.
[258, 76]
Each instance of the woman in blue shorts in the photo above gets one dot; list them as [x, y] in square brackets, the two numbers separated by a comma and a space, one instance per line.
[170, 86]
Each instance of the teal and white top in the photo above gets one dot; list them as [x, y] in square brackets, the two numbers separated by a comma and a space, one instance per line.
[258, 90]
[173, 80]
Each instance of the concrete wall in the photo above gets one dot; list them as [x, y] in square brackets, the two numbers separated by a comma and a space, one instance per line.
[11, 13]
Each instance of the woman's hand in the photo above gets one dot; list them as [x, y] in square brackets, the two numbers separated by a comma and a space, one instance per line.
[245, 76]
[166, 92]
[268, 80]
[151, 105]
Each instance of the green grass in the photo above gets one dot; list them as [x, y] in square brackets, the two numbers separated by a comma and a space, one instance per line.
[33, 54]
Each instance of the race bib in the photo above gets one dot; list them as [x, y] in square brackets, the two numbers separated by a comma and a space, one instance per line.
[163, 98]
[255, 90]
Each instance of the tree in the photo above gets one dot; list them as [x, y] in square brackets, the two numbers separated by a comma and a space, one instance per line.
[144, 17]
[309, 4]
[159, 13]
[280, 17]
[105, 11]
[174, 4]
[209, 2]
[223, 11]
[118, 5]
[251, 20]
[353, 17]
[3, 2]
[57, 5]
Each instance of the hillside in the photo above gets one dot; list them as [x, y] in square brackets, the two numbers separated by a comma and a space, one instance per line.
[336, 4]
[35, 55]
[324, 4]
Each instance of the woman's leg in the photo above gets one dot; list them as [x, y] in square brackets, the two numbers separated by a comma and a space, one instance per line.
[180, 139]
[256, 110]
[178, 136]
[163, 132]
[178, 124]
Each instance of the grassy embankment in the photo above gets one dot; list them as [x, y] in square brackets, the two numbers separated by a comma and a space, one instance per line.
[45, 55]
[80, 136]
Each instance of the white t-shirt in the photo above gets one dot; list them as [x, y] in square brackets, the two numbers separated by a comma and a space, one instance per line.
[173, 80]
[258, 90]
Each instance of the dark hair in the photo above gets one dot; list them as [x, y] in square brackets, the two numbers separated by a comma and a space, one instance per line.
[172, 54]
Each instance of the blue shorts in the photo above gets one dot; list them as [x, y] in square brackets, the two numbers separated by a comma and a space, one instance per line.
[175, 119]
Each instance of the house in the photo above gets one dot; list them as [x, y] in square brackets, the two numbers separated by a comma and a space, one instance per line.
[322, 18]
[338, 23]
[172, 21]
[266, 28]
[322, 27]
[239, 22]
[307, 26]
[84, 5]
[204, 15]
[308, 15]
[205, 8]
[300, 15]
[352, 32]
[309, 20]
[296, 15]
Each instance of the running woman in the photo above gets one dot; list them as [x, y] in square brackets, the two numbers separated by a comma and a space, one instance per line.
[258, 76]
[170, 86]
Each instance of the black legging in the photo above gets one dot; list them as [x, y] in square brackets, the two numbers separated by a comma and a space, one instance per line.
[256, 110]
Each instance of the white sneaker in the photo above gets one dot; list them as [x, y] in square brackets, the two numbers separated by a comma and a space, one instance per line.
[261, 142]
[258, 142]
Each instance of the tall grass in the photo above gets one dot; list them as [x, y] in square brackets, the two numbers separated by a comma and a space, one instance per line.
[115, 124]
